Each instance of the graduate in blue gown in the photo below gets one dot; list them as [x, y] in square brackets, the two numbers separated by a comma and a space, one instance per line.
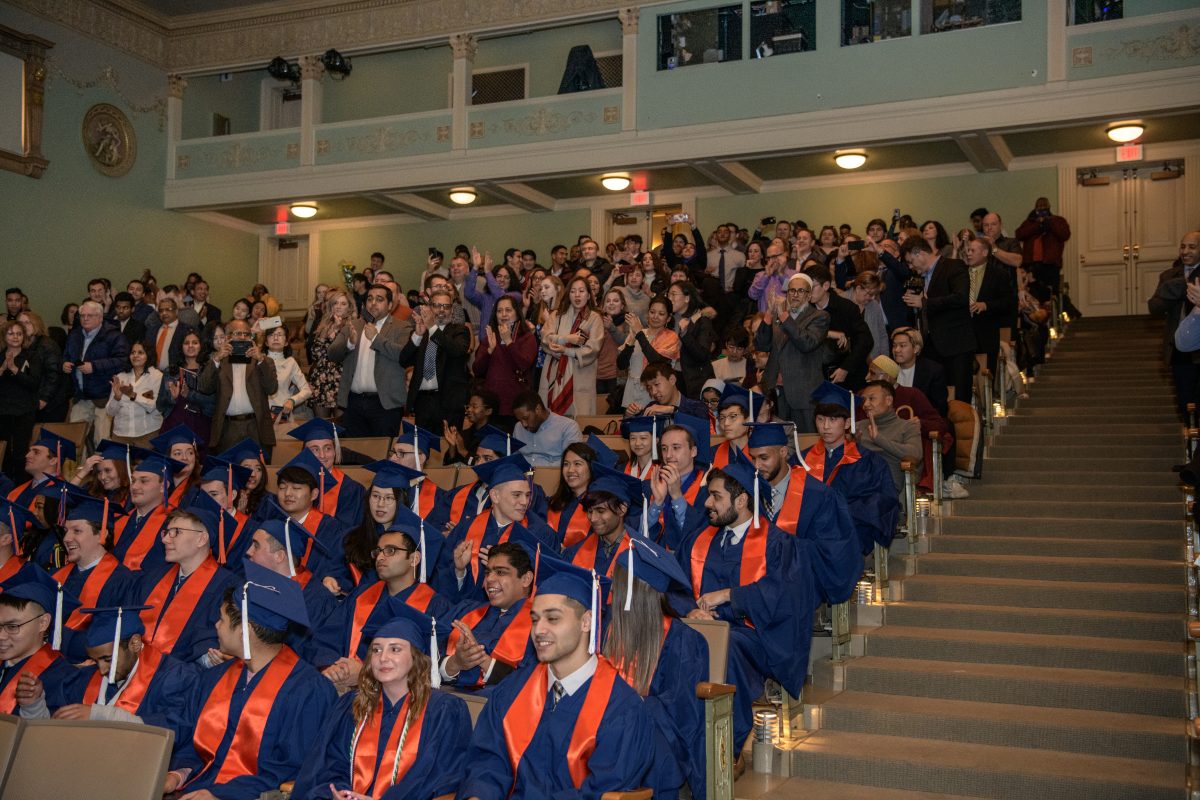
[614, 503]
[571, 693]
[411, 450]
[44, 463]
[344, 501]
[667, 676]
[35, 679]
[757, 578]
[222, 481]
[300, 484]
[677, 489]
[463, 503]
[395, 736]
[136, 538]
[137, 684]
[13, 520]
[264, 681]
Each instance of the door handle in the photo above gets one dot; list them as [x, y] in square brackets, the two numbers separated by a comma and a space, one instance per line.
[1125, 251]
[1136, 253]
[1082, 260]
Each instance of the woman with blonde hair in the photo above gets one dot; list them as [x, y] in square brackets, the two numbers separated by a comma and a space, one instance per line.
[325, 374]
[394, 736]
[53, 389]
[572, 340]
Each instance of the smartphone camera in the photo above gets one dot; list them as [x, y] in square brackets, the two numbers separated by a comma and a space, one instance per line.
[240, 348]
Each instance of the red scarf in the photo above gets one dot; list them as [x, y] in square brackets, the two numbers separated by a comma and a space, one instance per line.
[522, 718]
[136, 686]
[577, 526]
[586, 557]
[788, 518]
[37, 663]
[510, 648]
[164, 623]
[146, 536]
[89, 596]
[816, 460]
[562, 393]
[365, 603]
[378, 776]
[242, 757]
[475, 535]
[754, 555]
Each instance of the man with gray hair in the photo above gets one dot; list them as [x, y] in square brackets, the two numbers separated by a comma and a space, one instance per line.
[793, 332]
[95, 352]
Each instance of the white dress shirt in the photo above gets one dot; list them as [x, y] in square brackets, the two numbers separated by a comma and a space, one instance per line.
[138, 415]
[364, 369]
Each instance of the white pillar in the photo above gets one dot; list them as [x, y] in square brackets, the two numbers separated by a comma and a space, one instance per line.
[175, 87]
[311, 72]
[464, 47]
[629, 31]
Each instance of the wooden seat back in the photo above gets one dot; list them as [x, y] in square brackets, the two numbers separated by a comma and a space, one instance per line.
[10, 735]
[608, 424]
[716, 633]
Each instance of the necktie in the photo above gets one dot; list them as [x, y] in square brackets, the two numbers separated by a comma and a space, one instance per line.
[429, 368]
[726, 538]
[557, 691]
[976, 281]
[162, 342]
[721, 270]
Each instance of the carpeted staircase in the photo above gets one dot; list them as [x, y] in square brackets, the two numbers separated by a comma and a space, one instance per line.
[1038, 649]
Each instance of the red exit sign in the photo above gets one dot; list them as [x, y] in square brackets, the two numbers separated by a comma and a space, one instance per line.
[1129, 152]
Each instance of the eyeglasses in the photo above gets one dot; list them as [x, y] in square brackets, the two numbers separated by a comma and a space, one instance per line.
[13, 628]
[798, 291]
[733, 417]
[171, 533]
[389, 550]
[239, 335]
[440, 306]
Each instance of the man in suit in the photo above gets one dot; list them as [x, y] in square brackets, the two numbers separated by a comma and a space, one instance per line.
[944, 313]
[992, 300]
[1170, 300]
[95, 352]
[372, 390]
[166, 343]
[205, 311]
[437, 353]
[131, 329]
[242, 386]
[793, 333]
[849, 340]
[923, 374]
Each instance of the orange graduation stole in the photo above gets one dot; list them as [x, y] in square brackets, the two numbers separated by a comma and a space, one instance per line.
[242, 757]
[37, 664]
[646, 474]
[11, 567]
[475, 535]
[586, 557]
[689, 496]
[724, 452]
[136, 687]
[458, 504]
[328, 500]
[165, 622]
[510, 648]
[754, 555]
[428, 497]
[177, 493]
[89, 596]
[365, 603]
[522, 718]
[137, 551]
[788, 518]
[378, 778]
[816, 460]
[577, 526]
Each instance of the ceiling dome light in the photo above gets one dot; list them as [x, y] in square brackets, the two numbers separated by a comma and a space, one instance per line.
[304, 210]
[1123, 132]
[462, 195]
[849, 159]
[615, 182]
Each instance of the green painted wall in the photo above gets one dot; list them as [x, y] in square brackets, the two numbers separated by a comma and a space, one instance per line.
[237, 99]
[1137, 8]
[74, 223]
[949, 200]
[546, 51]
[406, 245]
[387, 84]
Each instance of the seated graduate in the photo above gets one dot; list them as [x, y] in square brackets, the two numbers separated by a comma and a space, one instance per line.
[642, 435]
[411, 449]
[137, 541]
[861, 476]
[396, 737]
[184, 596]
[247, 724]
[344, 501]
[609, 504]
[463, 503]
[401, 555]
[677, 489]
[660, 656]
[567, 726]
[801, 505]
[131, 681]
[247, 453]
[13, 519]
[490, 640]
[300, 485]
[735, 410]
[756, 577]
[105, 473]
[44, 463]
[92, 574]
[181, 446]
[34, 677]
[508, 481]
[394, 486]
[565, 512]
[224, 482]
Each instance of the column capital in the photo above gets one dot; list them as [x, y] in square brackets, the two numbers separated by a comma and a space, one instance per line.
[176, 85]
[311, 68]
[464, 45]
[629, 19]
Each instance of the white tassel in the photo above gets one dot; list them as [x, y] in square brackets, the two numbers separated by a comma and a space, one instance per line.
[128, 462]
[337, 445]
[507, 445]
[435, 675]
[594, 635]
[852, 421]
[416, 447]
[645, 518]
[416, 504]
[424, 579]
[58, 615]
[629, 579]
[246, 623]
[799, 455]
[112, 664]
[287, 543]
[756, 498]
[654, 438]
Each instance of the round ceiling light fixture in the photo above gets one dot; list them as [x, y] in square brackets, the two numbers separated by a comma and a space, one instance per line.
[849, 159]
[1122, 132]
[615, 181]
[462, 195]
[304, 210]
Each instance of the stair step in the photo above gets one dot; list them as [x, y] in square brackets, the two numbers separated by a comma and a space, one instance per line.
[1019, 493]
[1132, 570]
[1083, 465]
[1159, 549]
[981, 770]
[1157, 627]
[1030, 424]
[1058, 527]
[1133, 693]
[1024, 592]
[1028, 649]
[1102, 733]
[1012, 437]
[1086, 450]
[1058, 475]
[1173, 511]
[810, 789]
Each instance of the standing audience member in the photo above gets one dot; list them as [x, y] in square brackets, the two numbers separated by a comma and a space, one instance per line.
[325, 373]
[95, 352]
[133, 404]
[293, 390]
[572, 338]
[438, 353]
[20, 379]
[505, 358]
[697, 336]
[182, 402]
[991, 297]
[368, 350]
[242, 385]
[793, 334]
[1043, 234]
[1171, 300]
[53, 386]
[943, 308]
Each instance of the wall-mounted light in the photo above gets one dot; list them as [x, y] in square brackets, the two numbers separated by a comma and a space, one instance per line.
[304, 210]
[849, 159]
[1122, 132]
[462, 195]
[615, 182]
[281, 70]
[336, 64]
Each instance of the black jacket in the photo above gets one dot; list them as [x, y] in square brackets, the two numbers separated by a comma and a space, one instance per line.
[845, 316]
[996, 290]
[946, 316]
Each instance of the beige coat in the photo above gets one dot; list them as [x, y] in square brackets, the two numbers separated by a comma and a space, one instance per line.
[581, 361]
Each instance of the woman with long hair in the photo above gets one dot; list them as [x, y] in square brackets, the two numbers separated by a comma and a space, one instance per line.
[865, 291]
[565, 511]
[616, 329]
[54, 387]
[646, 345]
[549, 290]
[394, 735]
[325, 374]
[241, 309]
[933, 232]
[828, 240]
[572, 341]
[133, 404]
[500, 280]
[180, 444]
[294, 391]
[505, 357]
[248, 454]
[182, 402]
[104, 476]
[20, 377]
[379, 512]
[696, 336]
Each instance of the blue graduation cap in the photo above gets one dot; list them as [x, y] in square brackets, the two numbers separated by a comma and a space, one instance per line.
[430, 544]
[15, 518]
[112, 624]
[233, 475]
[180, 434]
[503, 470]
[497, 440]
[97, 510]
[306, 461]
[163, 467]
[742, 471]
[737, 395]
[584, 586]
[244, 450]
[604, 454]
[316, 430]
[700, 434]
[216, 520]
[831, 394]
[414, 627]
[123, 452]
[422, 440]
[775, 434]
[626, 488]
[62, 447]
[35, 584]
[294, 537]
[652, 424]
[392, 475]
[271, 600]
[651, 563]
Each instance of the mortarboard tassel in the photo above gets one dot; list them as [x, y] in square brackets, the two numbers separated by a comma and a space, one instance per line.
[654, 438]
[287, 543]
[321, 487]
[507, 445]
[246, 622]
[337, 445]
[221, 554]
[58, 614]
[594, 634]
[416, 447]
[166, 486]
[852, 420]
[16, 535]
[128, 461]
[424, 578]
[645, 518]
[629, 579]
[112, 664]
[799, 455]
[104, 521]
[58, 461]
[435, 676]
[756, 498]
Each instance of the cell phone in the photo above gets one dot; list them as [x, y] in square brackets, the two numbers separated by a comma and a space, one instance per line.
[857, 244]
[767, 221]
[433, 252]
[675, 219]
[239, 349]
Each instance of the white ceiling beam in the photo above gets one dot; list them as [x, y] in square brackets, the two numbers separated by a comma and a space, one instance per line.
[987, 152]
[731, 176]
[521, 195]
[413, 204]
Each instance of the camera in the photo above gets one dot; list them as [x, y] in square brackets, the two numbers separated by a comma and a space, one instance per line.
[767, 221]
[857, 244]
[240, 347]
[914, 284]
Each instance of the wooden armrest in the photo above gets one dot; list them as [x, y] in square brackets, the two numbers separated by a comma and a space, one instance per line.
[708, 691]
[636, 794]
[935, 436]
[1194, 728]
[1193, 629]
[908, 465]
[287, 786]
[985, 372]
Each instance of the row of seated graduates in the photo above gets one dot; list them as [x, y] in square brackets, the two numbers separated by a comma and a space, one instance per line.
[345, 598]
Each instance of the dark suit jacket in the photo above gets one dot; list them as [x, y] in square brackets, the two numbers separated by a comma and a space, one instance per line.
[453, 373]
[1170, 301]
[844, 316]
[894, 273]
[134, 331]
[211, 313]
[387, 345]
[174, 346]
[930, 379]
[261, 383]
[946, 316]
[996, 291]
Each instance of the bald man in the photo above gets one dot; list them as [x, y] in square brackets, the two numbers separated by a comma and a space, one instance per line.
[1171, 300]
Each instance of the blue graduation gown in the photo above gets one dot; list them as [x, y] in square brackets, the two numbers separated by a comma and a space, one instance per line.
[677, 712]
[331, 533]
[488, 631]
[60, 680]
[235, 554]
[350, 502]
[623, 759]
[870, 495]
[199, 634]
[445, 581]
[695, 518]
[155, 557]
[297, 714]
[780, 605]
[118, 590]
[826, 530]
[165, 695]
[538, 504]
[331, 639]
[441, 754]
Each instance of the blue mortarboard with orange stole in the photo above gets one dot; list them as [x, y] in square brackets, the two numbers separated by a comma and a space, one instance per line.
[269, 599]
[429, 544]
[831, 394]
[112, 624]
[497, 440]
[60, 446]
[775, 434]
[652, 424]
[584, 586]
[221, 524]
[422, 440]
[503, 470]
[243, 451]
[306, 461]
[14, 518]
[653, 564]
[66, 495]
[97, 510]
[700, 435]
[736, 394]
[234, 477]
[391, 475]
[163, 467]
[122, 452]
[279, 525]
[317, 429]
[741, 470]
[180, 434]
[626, 488]
[34, 583]
[418, 629]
